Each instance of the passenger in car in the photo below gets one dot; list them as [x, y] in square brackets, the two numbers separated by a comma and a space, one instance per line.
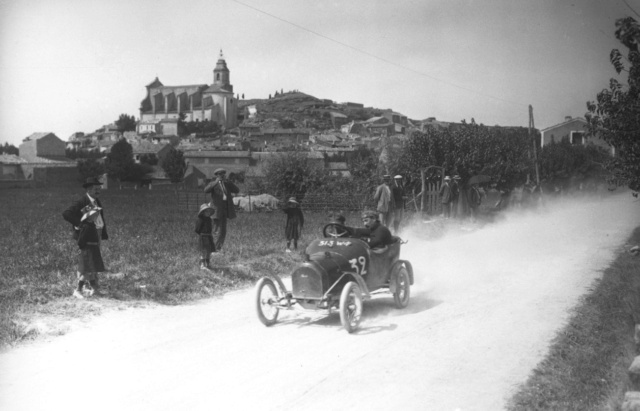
[374, 233]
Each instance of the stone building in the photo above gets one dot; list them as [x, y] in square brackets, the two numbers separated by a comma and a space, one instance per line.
[198, 102]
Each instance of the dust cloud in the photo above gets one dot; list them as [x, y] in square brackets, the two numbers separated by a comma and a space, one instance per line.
[522, 246]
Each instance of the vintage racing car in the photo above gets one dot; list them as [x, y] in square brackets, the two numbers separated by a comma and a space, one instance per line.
[339, 274]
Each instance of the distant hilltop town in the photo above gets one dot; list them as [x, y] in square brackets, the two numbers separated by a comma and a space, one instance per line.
[214, 127]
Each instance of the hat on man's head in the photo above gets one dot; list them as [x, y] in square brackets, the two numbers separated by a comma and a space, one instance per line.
[398, 177]
[457, 177]
[447, 178]
[370, 214]
[203, 207]
[91, 181]
[386, 176]
[292, 200]
[219, 170]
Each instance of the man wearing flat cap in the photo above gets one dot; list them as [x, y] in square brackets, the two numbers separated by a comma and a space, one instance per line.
[222, 191]
[374, 233]
[90, 200]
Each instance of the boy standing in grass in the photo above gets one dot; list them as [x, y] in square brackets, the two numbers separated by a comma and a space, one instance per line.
[294, 224]
[90, 259]
[204, 229]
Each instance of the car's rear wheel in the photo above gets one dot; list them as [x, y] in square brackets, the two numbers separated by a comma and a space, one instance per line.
[403, 291]
[266, 301]
[351, 306]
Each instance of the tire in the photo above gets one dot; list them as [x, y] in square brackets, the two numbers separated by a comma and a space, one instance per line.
[266, 298]
[403, 291]
[350, 306]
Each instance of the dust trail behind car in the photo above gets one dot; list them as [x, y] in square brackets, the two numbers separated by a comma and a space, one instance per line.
[520, 246]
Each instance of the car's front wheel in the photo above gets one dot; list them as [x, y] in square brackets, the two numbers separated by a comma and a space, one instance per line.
[266, 301]
[351, 306]
[403, 292]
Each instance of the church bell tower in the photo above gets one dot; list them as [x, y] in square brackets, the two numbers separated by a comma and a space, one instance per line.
[221, 74]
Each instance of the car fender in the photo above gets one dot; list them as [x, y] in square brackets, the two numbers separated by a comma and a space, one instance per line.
[394, 273]
[361, 283]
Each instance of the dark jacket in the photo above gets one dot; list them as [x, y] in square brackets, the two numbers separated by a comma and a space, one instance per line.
[295, 222]
[376, 236]
[203, 225]
[73, 215]
[87, 235]
[445, 193]
[224, 208]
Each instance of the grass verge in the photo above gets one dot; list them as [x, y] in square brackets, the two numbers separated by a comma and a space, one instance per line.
[586, 368]
[152, 257]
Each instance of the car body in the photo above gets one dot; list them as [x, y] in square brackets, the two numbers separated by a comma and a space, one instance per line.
[338, 273]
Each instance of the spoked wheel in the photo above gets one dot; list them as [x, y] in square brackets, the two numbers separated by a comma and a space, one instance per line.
[350, 306]
[266, 301]
[403, 292]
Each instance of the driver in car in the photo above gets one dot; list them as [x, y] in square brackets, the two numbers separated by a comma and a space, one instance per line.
[374, 233]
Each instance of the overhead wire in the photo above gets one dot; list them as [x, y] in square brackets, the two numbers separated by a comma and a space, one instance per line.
[420, 73]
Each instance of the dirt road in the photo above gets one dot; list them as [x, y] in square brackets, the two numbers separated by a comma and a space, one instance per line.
[484, 308]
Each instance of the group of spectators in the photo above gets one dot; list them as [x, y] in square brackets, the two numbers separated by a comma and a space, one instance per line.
[450, 193]
[89, 226]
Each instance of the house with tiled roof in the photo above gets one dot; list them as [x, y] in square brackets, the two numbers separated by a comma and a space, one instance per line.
[148, 148]
[574, 130]
[10, 167]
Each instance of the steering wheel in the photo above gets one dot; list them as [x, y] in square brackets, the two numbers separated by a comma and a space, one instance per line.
[337, 227]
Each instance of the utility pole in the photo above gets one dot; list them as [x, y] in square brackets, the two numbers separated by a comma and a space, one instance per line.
[535, 143]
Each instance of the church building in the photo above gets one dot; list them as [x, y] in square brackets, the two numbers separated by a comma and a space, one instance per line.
[160, 109]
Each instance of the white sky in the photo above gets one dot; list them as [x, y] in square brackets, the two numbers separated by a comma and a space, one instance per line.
[75, 65]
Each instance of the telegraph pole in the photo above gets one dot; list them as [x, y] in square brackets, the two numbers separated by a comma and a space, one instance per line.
[535, 143]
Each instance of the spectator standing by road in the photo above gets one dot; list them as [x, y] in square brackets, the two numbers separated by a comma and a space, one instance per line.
[455, 195]
[294, 224]
[222, 191]
[397, 192]
[384, 200]
[90, 259]
[474, 200]
[74, 215]
[445, 196]
[204, 229]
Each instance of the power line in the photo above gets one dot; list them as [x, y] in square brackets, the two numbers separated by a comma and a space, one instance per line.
[375, 56]
[631, 8]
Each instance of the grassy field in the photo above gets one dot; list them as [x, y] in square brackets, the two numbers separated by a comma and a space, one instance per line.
[586, 368]
[152, 243]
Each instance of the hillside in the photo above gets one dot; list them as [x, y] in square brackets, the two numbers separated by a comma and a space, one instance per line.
[295, 109]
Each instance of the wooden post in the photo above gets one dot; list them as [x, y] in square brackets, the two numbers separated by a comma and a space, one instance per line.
[535, 149]
[424, 190]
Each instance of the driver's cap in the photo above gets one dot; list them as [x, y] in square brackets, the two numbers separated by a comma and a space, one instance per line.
[369, 214]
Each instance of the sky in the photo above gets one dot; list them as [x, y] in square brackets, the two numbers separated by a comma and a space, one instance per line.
[71, 66]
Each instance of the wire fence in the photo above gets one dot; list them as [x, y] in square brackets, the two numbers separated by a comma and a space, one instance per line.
[191, 199]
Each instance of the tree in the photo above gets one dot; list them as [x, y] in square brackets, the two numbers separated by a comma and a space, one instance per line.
[120, 163]
[615, 116]
[173, 165]
[292, 174]
[126, 123]
[9, 149]
[90, 168]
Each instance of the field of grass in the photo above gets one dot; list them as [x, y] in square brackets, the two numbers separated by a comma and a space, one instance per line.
[586, 368]
[152, 243]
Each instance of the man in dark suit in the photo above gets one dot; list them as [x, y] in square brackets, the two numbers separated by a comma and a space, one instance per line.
[222, 191]
[74, 213]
